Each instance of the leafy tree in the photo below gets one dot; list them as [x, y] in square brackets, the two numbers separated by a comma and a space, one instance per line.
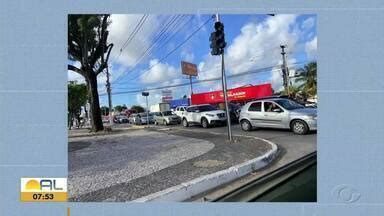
[119, 108]
[77, 97]
[104, 110]
[87, 44]
[137, 109]
[308, 79]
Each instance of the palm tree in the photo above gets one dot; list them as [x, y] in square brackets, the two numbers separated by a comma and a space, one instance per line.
[308, 79]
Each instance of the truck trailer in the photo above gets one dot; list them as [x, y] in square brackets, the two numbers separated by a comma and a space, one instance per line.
[160, 107]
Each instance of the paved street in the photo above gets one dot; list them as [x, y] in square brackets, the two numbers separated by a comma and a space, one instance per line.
[291, 145]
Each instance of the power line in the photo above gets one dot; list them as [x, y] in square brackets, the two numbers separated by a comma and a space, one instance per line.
[176, 31]
[260, 70]
[172, 51]
[158, 38]
[131, 36]
[137, 29]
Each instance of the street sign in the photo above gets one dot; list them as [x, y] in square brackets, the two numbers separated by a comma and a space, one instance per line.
[166, 96]
[188, 68]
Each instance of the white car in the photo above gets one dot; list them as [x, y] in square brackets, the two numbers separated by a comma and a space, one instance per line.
[179, 111]
[206, 115]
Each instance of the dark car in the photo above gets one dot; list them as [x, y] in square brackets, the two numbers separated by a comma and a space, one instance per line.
[234, 111]
[121, 119]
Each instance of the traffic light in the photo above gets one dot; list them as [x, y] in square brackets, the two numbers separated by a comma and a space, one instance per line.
[217, 39]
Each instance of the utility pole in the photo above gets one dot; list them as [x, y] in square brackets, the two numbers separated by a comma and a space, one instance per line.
[108, 85]
[224, 84]
[146, 94]
[284, 69]
[190, 82]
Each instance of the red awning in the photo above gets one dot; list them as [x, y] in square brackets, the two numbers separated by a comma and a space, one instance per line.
[236, 94]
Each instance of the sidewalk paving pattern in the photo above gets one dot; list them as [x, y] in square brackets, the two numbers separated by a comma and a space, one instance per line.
[99, 162]
[128, 166]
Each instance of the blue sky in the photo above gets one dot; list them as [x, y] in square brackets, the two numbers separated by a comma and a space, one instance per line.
[252, 43]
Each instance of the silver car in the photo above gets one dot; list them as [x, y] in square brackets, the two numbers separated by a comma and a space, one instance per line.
[143, 118]
[166, 118]
[278, 113]
[134, 118]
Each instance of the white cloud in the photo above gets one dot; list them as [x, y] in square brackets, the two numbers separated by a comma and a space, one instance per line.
[277, 79]
[73, 76]
[257, 46]
[187, 56]
[153, 98]
[210, 67]
[311, 48]
[159, 72]
[121, 27]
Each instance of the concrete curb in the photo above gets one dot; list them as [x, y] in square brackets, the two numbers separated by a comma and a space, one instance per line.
[114, 132]
[196, 186]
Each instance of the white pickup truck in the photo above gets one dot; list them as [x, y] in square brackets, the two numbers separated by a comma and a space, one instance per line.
[180, 110]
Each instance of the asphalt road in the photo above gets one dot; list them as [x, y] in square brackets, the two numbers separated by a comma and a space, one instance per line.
[292, 145]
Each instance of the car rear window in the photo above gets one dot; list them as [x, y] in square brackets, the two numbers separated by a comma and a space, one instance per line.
[255, 107]
[191, 109]
[167, 113]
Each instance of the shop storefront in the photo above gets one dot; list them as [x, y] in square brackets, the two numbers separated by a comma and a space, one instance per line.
[236, 95]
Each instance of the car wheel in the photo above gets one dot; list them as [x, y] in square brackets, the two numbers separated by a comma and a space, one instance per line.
[299, 127]
[165, 122]
[246, 125]
[156, 122]
[185, 122]
[204, 123]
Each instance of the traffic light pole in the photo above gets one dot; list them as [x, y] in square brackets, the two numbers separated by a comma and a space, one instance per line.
[146, 99]
[224, 85]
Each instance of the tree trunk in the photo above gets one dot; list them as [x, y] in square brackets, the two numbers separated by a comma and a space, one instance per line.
[97, 123]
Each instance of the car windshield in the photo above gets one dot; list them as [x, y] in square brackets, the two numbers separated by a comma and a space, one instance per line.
[289, 104]
[143, 115]
[167, 113]
[207, 108]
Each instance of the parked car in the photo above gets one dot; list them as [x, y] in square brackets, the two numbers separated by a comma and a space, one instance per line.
[121, 119]
[206, 115]
[134, 118]
[179, 111]
[142, 118]
[166, 118]
[105, 119]
[234, 111]
[278, 113]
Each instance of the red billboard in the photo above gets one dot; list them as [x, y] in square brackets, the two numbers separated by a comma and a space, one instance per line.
[240, 94]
